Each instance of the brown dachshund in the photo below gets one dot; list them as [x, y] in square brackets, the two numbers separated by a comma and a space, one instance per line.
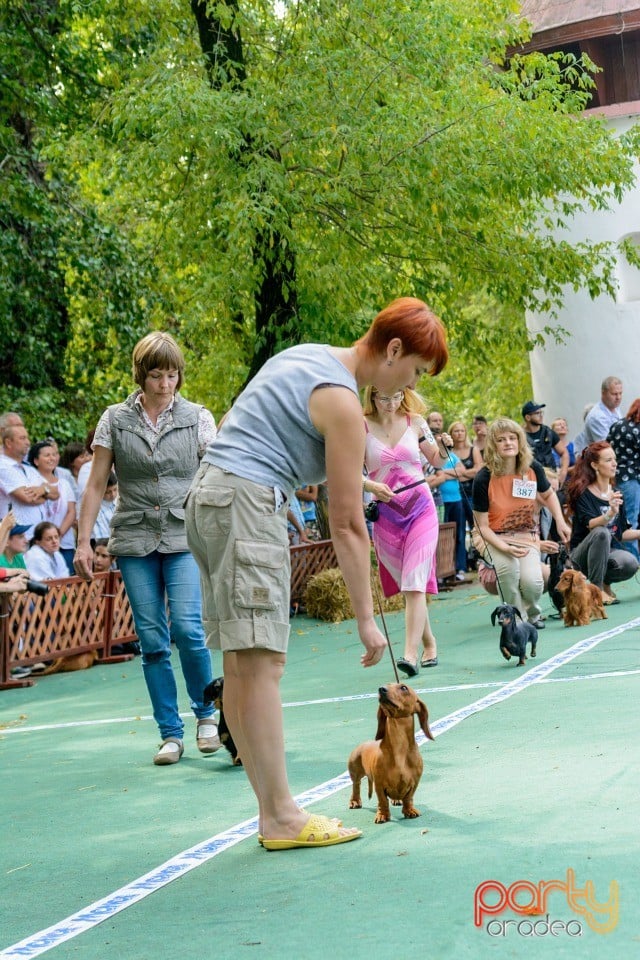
[392, 762]
[582, 600]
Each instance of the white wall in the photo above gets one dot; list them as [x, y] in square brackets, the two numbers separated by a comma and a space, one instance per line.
[604, 335]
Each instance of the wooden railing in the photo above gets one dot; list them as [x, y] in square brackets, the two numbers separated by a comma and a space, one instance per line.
[78, 617]
[73, 617]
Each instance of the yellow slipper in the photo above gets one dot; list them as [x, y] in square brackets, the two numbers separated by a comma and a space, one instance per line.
[317, 832]
[334, 821]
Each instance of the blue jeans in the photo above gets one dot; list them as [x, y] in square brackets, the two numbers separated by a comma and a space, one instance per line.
[630, 490]
[153, 584]
[454, 513]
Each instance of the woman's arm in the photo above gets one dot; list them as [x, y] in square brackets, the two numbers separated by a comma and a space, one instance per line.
[493, 539]
[550, 500]
[69, 519]
[101, 465]
[337, 414]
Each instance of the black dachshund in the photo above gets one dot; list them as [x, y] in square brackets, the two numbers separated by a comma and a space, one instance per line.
[558, 563]
[213, 694]
[514, 636]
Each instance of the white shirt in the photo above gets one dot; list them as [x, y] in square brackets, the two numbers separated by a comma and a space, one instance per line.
[45, 566]
[14, 475]
[597, 424]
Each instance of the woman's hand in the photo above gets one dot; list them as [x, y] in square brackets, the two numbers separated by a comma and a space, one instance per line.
[83, 562]
[373, 641]
[15, 584]
[379, 490]
[516, 549]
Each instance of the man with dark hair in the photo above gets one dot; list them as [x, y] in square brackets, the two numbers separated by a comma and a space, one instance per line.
[543, 440]
[479, 427]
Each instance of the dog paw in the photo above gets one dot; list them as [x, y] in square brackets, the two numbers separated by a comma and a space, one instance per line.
[411, 813]
[381, 817]
[505, 653]
[521, 662]
[355, 804]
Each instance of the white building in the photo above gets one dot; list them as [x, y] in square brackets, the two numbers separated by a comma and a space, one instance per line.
[604, 334]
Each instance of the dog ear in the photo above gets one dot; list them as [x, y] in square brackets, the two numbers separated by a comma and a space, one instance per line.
[493, 616]
[518, 614]
[423, 716]
[382, 724]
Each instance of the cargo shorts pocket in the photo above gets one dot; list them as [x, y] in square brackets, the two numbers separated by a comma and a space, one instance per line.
[213, 510]
[259, 570]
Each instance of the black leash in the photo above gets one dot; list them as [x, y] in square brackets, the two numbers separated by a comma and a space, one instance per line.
[384, 624]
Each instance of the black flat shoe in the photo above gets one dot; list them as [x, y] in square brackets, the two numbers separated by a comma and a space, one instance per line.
[411, 669]
[432, 662]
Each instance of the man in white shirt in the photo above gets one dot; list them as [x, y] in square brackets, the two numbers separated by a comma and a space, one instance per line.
[21, 486]
[602, 415]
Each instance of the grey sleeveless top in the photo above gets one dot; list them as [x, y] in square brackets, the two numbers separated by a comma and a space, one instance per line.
[268, 436]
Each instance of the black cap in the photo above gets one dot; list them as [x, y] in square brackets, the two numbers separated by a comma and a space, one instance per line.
[531, 407]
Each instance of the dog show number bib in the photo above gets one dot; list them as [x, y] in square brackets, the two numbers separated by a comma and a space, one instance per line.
[524, 489]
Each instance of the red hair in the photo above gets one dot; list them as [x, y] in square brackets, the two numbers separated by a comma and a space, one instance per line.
[412, 322]
[583, 473]
[633, 413]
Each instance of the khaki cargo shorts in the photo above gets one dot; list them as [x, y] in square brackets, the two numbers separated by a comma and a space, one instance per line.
[241, 547]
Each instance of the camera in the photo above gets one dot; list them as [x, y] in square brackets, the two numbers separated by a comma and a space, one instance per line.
[36, 586]
[371, 511]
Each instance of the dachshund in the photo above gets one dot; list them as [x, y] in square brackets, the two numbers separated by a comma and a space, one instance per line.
[75, 661]
[392, 762]
[213, 694]
[582, 600]
[514, 636]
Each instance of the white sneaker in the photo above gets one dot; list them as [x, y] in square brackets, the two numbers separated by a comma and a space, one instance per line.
[21, 672]
[461, 576]
[207, 736]
[170, 751]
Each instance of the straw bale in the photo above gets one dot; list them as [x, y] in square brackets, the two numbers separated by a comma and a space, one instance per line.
[326, 597]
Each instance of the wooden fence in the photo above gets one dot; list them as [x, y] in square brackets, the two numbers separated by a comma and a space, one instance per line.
[78, 617]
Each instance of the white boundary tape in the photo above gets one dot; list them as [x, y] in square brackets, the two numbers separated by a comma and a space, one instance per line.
[181, 864]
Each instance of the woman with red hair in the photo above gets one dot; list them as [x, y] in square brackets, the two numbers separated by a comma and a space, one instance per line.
[299, 421]
[624, 437]
[599, 520]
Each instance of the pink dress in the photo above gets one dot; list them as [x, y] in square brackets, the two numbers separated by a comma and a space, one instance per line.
[405, 535]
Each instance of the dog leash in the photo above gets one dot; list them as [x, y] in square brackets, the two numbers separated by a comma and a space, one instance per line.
[386, 632]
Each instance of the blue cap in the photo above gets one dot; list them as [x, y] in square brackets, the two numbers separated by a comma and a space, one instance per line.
[18, 529]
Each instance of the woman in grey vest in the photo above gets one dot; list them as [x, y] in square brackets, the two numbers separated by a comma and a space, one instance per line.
[154, 441]
[298, 422]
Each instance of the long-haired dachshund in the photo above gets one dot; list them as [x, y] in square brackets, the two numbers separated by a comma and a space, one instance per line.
[213, 694]
[582, 600]
[558, 563]
[392, 762]
[514, 636]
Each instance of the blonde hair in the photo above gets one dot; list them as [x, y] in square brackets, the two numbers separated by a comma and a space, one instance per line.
[412, 402]
[459, 423]
[494, 461]
[156, 351]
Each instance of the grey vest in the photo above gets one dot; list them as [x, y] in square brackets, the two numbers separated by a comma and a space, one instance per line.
[152, 482]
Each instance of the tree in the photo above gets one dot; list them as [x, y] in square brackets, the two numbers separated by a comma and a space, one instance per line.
[285, 169]
[63, 272]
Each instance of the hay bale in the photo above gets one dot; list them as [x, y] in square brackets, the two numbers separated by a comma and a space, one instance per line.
[326, 597]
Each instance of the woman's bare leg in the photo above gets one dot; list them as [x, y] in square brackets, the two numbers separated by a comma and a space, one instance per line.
[429, 642]
[253, 711]
[415, 617]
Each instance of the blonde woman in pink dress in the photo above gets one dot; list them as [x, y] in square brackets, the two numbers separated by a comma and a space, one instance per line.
[405, 535]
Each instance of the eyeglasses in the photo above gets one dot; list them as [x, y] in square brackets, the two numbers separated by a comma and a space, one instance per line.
[396, 398]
